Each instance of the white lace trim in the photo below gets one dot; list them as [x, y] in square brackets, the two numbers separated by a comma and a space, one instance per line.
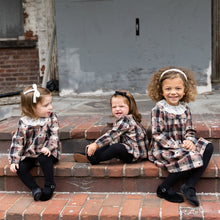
[177, 110]
[30, 121]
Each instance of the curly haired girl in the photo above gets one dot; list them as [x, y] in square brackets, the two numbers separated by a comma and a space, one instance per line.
[174, 146]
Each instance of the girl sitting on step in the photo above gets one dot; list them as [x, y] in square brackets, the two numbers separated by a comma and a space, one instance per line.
[36, 140]
[127, 139]
[174, 145]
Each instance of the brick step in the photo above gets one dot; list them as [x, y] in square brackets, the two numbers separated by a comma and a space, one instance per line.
[105, 206]
[78, 131]
[111, 176]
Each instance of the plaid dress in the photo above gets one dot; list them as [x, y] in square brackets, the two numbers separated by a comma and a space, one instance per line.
[32, 135]
[128, 132]
[171, 125]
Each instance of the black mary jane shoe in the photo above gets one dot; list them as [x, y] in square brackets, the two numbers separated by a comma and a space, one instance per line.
[47, 192]
[37, 193]
[169, 194]
[190, 194]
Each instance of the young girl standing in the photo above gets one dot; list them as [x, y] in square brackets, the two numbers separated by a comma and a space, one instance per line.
[174, 145]
[36, 140]
[126, 140]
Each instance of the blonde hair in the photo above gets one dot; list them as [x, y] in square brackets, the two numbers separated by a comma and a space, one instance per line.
[155, 86]
[130, 101]
[27, 104]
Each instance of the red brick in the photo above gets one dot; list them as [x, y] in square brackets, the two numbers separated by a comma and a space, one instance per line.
[131, 208]
[170, 211]
[151, 207]
[78, 200]
[150, 170]
[129, 185]
[113, 200]
[98, 170]
[91, 209]
[34, 210]
[81, 169]
[78, 133]
[71, 212]
[63, 169]
[133, 169]
[115, 170]
[110, 213]
[94, 132]
[211, 210]
[17, 209]
[54, 208]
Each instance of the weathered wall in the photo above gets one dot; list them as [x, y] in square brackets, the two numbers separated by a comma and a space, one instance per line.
[99, 51]
[40, 19]
[23, 59]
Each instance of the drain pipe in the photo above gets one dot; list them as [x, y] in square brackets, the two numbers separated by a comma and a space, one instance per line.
[10, 94]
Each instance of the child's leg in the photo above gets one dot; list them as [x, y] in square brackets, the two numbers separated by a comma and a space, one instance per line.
[111, 151]
[24, 174]
[196, 173]
[189, 187]
[166, 191]
[46, 164]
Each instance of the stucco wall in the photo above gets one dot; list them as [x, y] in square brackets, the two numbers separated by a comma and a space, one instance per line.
[98, 50]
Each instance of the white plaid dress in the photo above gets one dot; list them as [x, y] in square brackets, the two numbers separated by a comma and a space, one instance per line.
[171, 125]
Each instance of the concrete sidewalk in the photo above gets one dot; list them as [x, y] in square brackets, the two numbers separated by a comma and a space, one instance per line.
[86, 105]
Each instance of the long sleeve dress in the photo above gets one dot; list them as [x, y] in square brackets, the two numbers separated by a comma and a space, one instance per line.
[171, 125]
[32, 135]
[128, 132]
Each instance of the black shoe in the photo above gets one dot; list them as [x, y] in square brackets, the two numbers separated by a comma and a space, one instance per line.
[169, 194]
[47, 192]
[190, 193]
[36, 193]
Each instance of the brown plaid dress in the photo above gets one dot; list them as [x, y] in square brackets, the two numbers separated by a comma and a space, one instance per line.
[128, 132]
[169, 130]
[32, 136]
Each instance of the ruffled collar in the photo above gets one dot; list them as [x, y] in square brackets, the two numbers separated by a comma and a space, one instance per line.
[30, 121]
[176, 110]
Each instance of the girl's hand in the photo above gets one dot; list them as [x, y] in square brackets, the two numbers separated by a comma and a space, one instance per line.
[14, 167]
[91, 149]
[189, 145]
[45, 151]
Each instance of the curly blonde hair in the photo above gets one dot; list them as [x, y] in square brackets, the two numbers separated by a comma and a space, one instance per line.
[130, 101]
[27, 105]
[155, 86]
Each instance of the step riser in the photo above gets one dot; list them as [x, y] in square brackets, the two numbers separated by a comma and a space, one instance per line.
[78, 145]
[111, 176]
[105, 206]
[88, 184]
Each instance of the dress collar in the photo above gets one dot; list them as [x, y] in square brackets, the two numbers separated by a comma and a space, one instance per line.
[30, 121]
[177, 110]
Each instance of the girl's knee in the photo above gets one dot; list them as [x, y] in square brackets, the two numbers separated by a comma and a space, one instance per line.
[209, 148]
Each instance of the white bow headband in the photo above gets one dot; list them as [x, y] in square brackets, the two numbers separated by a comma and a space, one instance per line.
[36, 93]
[175, 70]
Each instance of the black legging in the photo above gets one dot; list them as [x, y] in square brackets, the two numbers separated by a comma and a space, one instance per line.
[194, 174]
[111, 151]
[28, 163]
